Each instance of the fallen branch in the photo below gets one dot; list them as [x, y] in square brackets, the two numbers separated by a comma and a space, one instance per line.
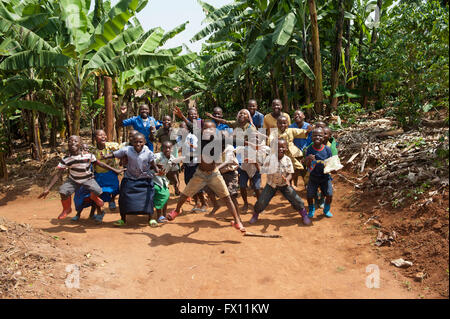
[261, 235]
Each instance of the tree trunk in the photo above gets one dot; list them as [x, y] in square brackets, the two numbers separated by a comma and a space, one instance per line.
[37, 137]
[3, 167]
[275, 91]
[69, 131]
[109, 108]
[54, 132]
[318, 88]
[98, 118]
[76, 111]
[335, 62]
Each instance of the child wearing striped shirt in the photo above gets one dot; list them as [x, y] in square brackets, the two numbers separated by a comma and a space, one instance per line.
[79, 165]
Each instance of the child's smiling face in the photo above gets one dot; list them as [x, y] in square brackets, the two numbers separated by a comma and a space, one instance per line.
[167, 122]
[282, 147]
[100, 137]
[138, 143]
[317, 137]
[282, 123]
[276, 107]
[144, 111]
[217, 112]
[299, 117]
[243, 117]
[252, 107]
[74, 145]
[167, 149]
[192, 114]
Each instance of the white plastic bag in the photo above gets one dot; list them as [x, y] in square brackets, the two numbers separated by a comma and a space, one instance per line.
[332, 164]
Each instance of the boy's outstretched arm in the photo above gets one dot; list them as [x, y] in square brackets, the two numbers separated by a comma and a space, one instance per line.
[218, 120]
[115, 170]
[56, 176]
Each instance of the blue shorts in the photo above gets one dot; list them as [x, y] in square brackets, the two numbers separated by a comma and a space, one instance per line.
[323, 183]
[243, 179]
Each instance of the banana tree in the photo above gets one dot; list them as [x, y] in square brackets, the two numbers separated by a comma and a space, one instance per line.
[77, 41]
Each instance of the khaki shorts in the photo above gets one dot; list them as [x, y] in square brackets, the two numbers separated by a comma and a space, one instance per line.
[212, 179]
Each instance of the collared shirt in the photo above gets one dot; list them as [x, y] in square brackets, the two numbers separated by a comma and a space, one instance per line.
[258, 119]
[277, 169]
[109, 147]
[143, 127]
[79, 166]
[271, 122]
[167, 164]
[302, 143]
[138, 163]
[292, 151]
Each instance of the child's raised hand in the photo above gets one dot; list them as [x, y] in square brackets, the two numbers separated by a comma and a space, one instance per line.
[310, 128]
[44, 194]
[177, 111]
[208, 114]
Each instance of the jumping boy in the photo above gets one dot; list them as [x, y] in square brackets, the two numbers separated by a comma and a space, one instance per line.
[314, 157]
[79, 165]
[279, 169]
[207, 174]
[136, 188]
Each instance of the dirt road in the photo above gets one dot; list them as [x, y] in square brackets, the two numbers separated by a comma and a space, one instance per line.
[197, 256]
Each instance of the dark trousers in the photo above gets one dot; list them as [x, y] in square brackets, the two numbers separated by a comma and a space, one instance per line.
[269, 192]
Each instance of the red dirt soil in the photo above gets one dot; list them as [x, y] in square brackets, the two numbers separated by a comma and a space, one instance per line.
[196, 256]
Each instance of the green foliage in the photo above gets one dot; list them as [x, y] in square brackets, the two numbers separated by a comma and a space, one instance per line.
[411, 61]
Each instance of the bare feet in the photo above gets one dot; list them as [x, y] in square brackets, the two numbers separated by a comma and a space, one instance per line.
[244, 208]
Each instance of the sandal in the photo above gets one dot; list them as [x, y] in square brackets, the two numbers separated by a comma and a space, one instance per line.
[119, 223]
[112, 206]
[99, 218]
[235, 225]
[75, 218]
[162, 220]
[153, 223]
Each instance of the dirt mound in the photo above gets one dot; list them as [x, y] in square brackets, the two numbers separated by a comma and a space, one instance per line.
[33, 263]
[420, 225]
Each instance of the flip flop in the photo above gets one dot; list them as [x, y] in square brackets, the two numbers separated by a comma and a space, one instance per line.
[75, 218]
[119, 223]
[162, 220]
[112, 206]
[153, 223]
[235, 225]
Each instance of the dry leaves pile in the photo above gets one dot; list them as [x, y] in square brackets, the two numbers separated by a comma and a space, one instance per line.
[385, 156]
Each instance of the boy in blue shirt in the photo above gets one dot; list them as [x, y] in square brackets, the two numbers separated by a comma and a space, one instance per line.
[257, 117]
[315, 156]
[143, 123]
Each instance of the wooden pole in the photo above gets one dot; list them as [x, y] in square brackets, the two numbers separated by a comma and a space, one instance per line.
[109, 110]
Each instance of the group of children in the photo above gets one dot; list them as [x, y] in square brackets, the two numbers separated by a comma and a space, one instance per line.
[219, 158]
